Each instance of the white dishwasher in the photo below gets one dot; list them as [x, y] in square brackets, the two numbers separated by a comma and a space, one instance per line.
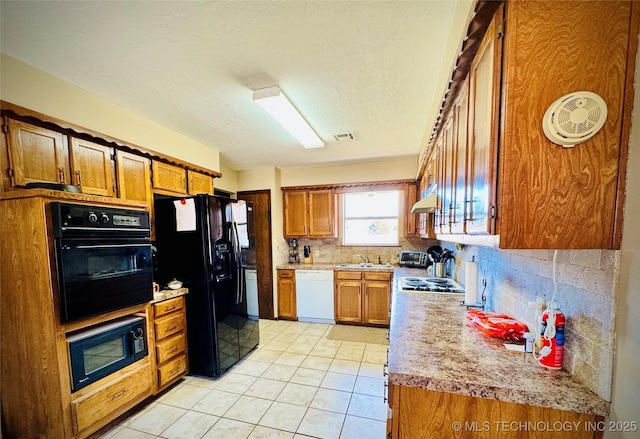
[314, 296]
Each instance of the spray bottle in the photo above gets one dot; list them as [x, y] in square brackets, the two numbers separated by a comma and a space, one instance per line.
[552, 337]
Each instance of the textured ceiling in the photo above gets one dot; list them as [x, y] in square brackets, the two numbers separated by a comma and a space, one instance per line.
[368, 67]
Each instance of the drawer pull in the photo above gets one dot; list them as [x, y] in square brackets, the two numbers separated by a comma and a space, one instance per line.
[176, 370]
[170, 308]
[172, 327]
[119, 394]
[173, 349]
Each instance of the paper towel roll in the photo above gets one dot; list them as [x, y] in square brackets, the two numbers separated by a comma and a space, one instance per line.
[471, 283]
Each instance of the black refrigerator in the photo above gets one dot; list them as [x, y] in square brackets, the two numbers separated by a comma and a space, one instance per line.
[207, 243]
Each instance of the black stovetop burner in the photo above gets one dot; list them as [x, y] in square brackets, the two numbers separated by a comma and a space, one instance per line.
[429, 284]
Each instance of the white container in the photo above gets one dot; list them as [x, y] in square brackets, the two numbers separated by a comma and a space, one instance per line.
[529, 338]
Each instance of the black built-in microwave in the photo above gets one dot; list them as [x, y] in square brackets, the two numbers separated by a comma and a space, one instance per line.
[101, 350]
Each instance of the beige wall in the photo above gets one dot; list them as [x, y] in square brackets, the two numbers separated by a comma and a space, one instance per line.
[397, 169]
[626, 371]
[229, 180]
[35, 90]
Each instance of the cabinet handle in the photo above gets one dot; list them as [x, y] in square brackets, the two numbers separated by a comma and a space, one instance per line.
[61, 170]
[386, 392]
[172, 350]
[79, 178]
[176, 370]
[172, 327]
[119, 394]
[170, 308]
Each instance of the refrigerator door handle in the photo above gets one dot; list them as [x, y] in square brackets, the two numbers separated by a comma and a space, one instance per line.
[235, 243]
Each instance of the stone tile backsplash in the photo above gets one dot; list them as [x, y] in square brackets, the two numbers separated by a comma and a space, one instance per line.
[586, 284]
[330, 250]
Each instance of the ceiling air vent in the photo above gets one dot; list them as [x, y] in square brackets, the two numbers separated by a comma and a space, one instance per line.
[343, 137]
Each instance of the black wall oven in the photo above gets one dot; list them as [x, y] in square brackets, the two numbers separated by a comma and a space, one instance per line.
[103, 259]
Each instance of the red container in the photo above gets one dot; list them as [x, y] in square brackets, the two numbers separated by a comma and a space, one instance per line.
[552, 347]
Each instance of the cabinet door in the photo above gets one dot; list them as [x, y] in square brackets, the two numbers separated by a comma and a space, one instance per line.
[169, 178]
[200, 183]
[287, 295]
[439, 222]
[321, 213]
[92, 167]
[411, 196]
[458, 189]
[484, 99]
[295, 213]
[377, 298]
[348, 301]
[134, 177]
[448, 159]
[36, 154]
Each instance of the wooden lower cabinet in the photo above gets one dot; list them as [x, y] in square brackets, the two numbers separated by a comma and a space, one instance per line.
[420, 413]
[111, 398]
[362, 297]
[287, 295]
[169, 328]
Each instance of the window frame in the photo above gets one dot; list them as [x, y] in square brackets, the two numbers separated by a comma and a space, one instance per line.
[365, 189]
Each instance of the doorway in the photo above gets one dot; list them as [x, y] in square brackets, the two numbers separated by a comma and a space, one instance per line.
[264, 263]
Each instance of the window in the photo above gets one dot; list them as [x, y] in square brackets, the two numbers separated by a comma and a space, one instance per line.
[371, 218]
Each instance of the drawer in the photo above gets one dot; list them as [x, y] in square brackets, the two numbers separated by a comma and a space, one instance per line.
[169, 325]
[167, 306]
[170, 348]
[127, 390]
[286, 274]
[368, 275]
[354, 275]
[172, 370]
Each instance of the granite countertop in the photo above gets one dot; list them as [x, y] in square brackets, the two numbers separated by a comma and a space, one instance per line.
[168, 294]
[432, 347]
[334, 266]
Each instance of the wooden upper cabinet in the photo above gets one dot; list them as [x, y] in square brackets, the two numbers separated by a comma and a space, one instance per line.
[550, 196]
[169, 178]
[410, 197]
[199, 183]
[483, 124]
[36, 154]
[309, 213]
[522, 191]
[321, 213]
[134, 177]
[92, 167]
[295, 213]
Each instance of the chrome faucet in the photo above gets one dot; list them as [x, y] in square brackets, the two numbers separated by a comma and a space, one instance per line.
[364, 258]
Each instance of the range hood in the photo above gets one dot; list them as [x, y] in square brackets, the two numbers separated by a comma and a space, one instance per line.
[428, 204]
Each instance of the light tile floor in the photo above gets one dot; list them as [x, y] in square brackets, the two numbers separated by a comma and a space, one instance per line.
[296, 384]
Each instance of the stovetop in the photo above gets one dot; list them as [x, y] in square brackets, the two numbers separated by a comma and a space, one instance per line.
[429, 285]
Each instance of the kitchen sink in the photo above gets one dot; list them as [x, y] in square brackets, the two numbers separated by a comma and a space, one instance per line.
[362, 265]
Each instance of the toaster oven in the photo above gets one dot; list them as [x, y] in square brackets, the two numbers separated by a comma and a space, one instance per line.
[414, 258]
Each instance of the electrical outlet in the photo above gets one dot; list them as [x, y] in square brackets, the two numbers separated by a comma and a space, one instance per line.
[316, 253]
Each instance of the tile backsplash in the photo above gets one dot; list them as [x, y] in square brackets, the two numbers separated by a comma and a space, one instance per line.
[586, 285]
[330, 250]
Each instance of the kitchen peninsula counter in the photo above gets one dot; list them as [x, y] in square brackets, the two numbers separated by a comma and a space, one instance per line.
[432, 347]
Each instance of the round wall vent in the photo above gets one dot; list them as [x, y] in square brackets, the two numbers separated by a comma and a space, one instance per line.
[574, 118]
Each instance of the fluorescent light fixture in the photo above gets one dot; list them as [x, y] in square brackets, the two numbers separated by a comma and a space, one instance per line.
[274, 102]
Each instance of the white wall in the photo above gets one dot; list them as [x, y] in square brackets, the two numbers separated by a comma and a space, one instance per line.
[23, 85]
[626, 371]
